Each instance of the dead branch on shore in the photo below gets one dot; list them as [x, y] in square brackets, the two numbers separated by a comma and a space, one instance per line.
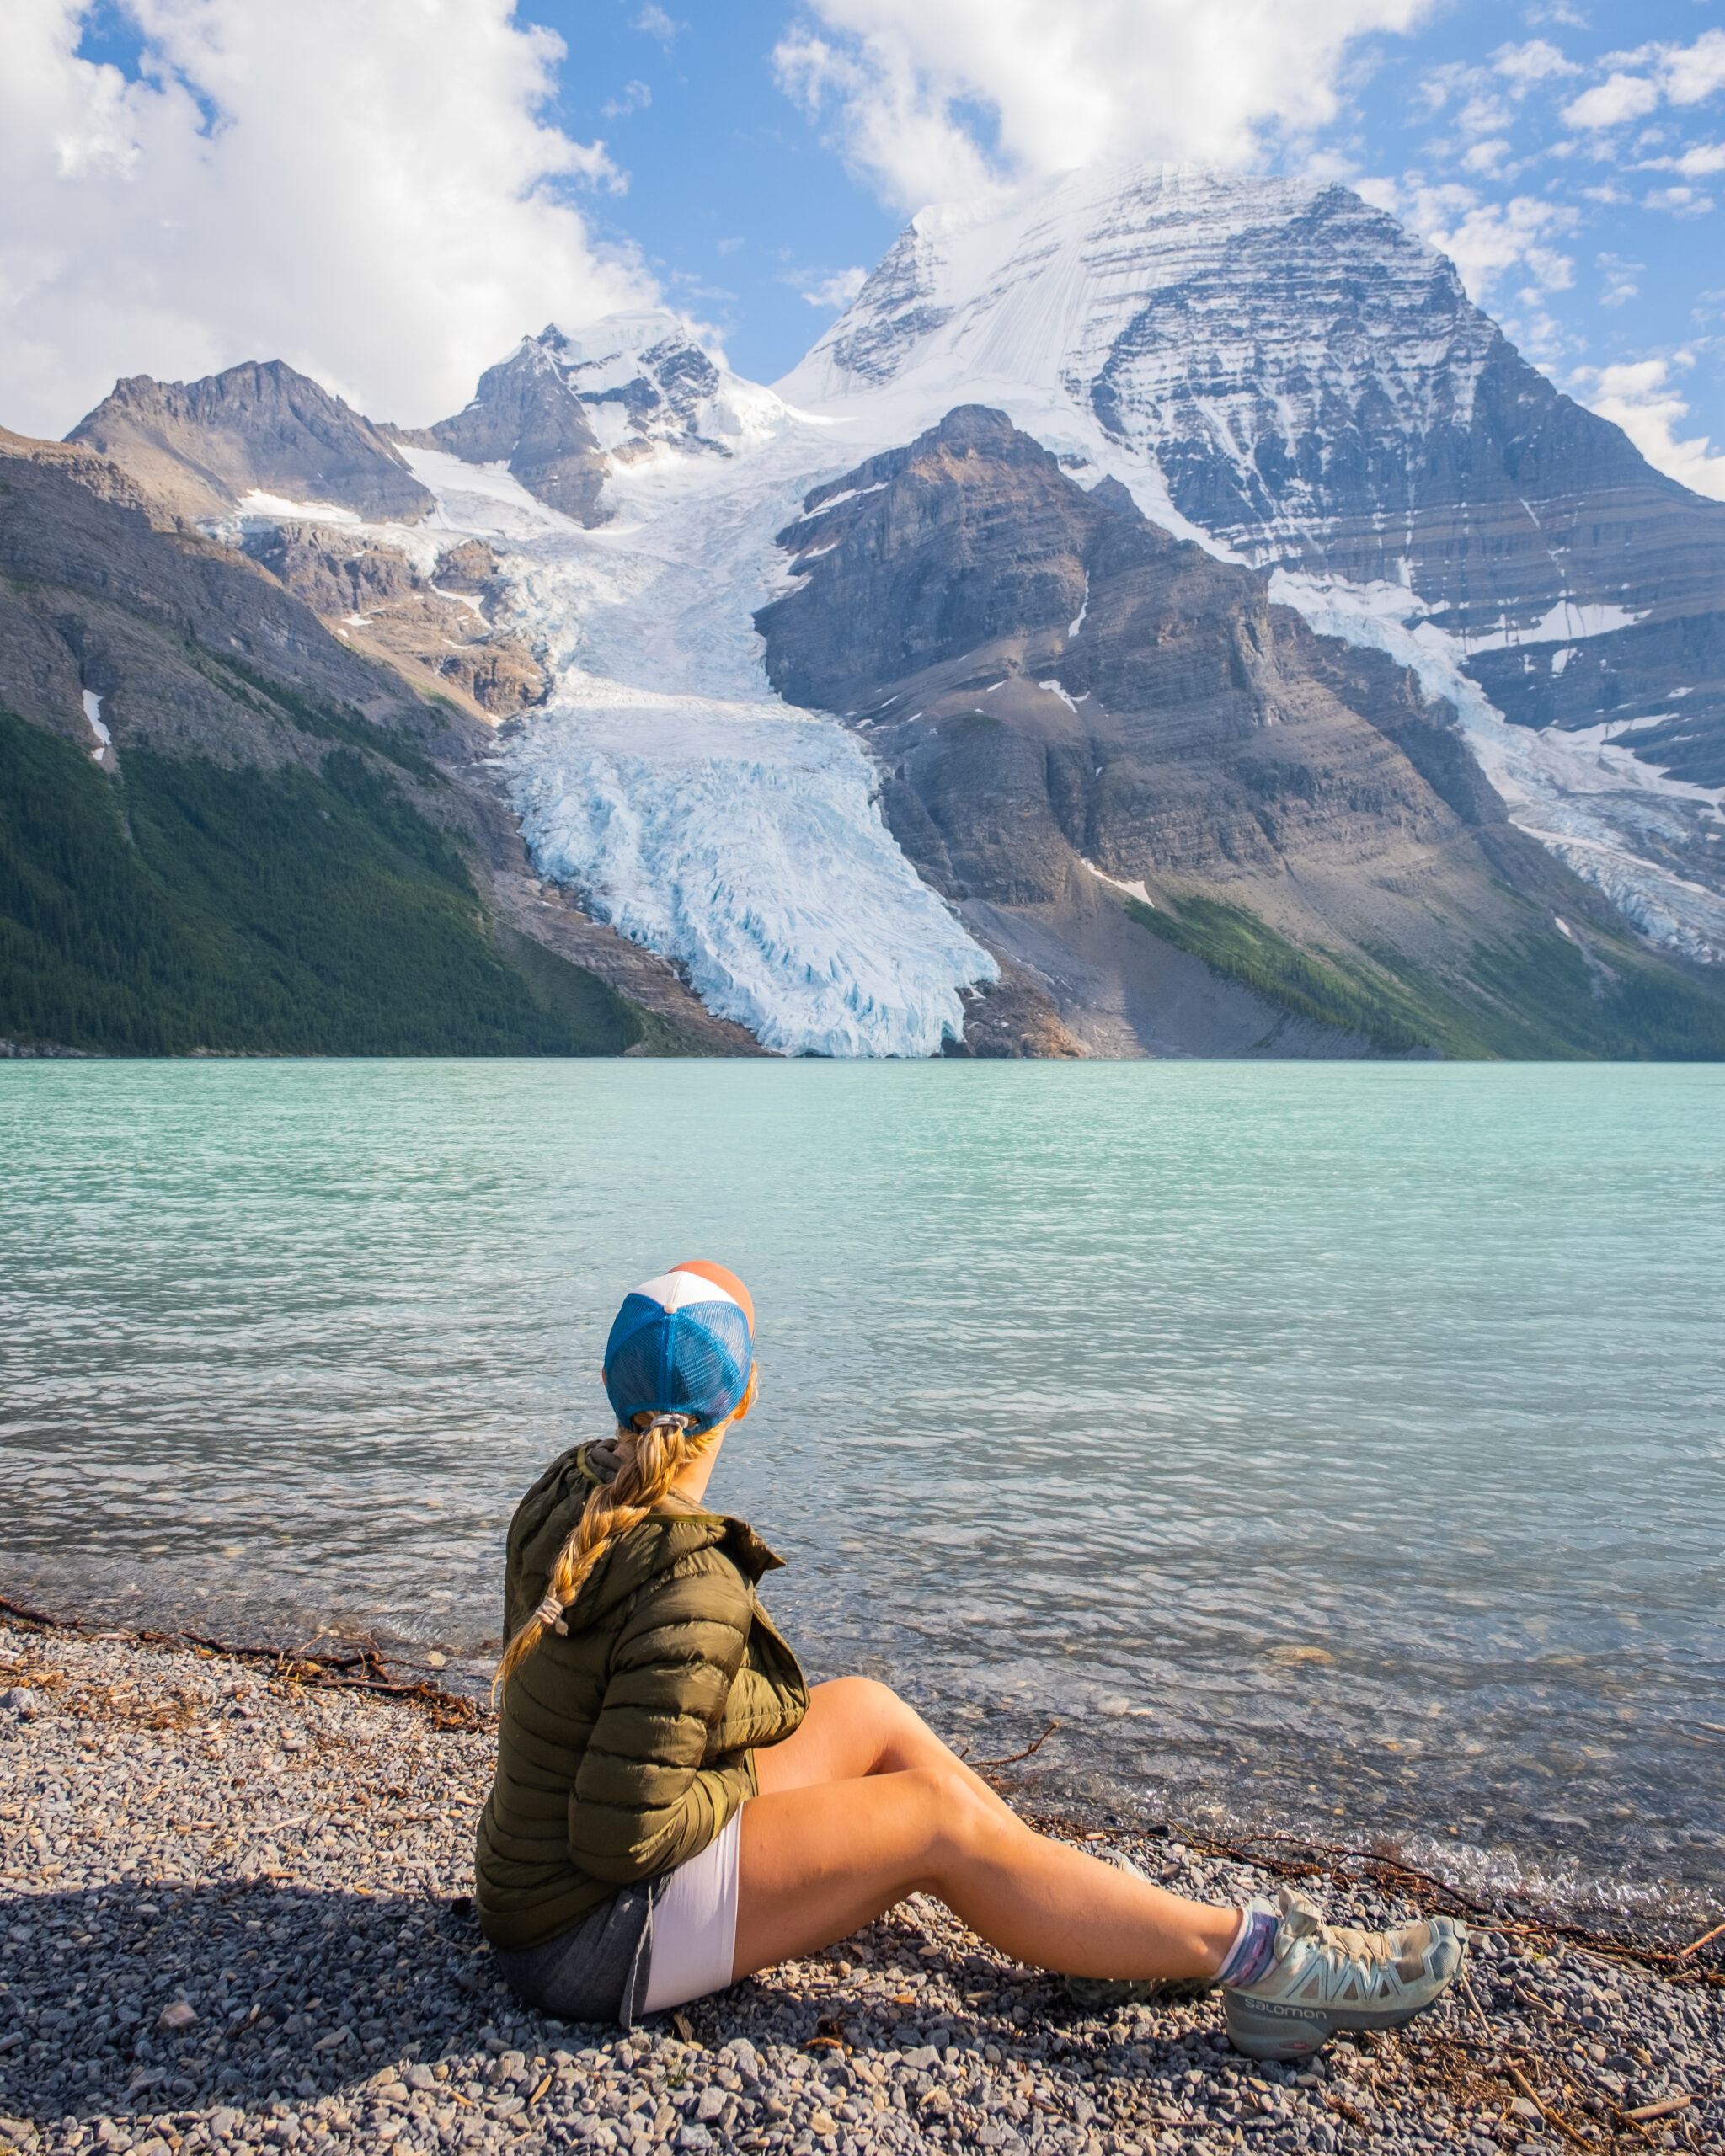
[364, 1670]
[1029, 1751]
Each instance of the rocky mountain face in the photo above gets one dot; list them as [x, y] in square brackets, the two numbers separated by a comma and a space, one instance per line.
[561, 410]
[223, 830]
[1313, 389]
[435, 624]
[1120, 758]
[196, 456]
[527, 414]
[199, 448]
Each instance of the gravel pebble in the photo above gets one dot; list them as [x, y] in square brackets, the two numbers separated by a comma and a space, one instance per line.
[233, 1918]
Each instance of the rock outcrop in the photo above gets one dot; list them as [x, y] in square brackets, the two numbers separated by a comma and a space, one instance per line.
[436, 629]
[1315, 389]
[1085, 726]
[197, 449]
[527, 414]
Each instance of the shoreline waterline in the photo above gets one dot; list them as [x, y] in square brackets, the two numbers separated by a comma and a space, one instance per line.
[456, 1691]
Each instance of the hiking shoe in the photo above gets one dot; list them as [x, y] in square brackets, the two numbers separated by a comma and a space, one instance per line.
[1104, 1994]
[1327, 1977]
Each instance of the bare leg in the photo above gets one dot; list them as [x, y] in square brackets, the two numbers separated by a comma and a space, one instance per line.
[873, 1806]
[855, 1727]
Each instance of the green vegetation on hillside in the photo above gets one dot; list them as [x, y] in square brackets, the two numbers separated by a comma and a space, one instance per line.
[1238, 944]
[1539, 997]
[187, 906]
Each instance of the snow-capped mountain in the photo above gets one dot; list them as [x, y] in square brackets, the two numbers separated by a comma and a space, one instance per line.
[1278, 370]
[1270, 370]
[1309, 380]
[563, 411]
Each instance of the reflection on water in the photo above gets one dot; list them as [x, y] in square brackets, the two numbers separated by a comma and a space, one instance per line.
[1332, 1443]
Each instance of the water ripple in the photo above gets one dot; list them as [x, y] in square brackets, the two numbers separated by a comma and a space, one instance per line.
[1336, 1445]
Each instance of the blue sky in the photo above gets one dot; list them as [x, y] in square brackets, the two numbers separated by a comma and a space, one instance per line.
[734, 196]
[388, 193]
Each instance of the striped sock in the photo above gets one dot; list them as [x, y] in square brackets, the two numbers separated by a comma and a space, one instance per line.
[1253, 1949]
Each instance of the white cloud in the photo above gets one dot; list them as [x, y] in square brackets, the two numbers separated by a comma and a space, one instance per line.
[363, 187]
[1382, 194]
[1680, 75]
[1641, 398]
[1487, 158]
[1620, 275]
[1483, 116]
[1536, 61]
[837, 290]
[634, 97]
[1689, 73]
[909, 85]
[1610, 103]
[1438, 85]
[1679, 201]
[1486, 239]
[657, 25]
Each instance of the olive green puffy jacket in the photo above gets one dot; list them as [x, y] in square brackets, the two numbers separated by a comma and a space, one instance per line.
[624, 1748]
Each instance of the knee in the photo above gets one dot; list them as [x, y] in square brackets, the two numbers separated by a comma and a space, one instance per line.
[959, 1819]
[870, 1708]
[861, 1698]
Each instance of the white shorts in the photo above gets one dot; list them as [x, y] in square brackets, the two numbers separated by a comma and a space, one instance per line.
[693, 1925]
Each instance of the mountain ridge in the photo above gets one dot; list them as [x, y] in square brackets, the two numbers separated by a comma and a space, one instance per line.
[601, 531]
[1071, 704]
[199, 447]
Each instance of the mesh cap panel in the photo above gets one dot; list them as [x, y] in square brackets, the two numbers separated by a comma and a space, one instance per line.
[691, 1361]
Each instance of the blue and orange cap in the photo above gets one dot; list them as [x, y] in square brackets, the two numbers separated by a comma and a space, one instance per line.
[683, 1343]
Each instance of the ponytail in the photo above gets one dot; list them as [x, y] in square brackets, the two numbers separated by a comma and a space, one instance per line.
[652, 1460]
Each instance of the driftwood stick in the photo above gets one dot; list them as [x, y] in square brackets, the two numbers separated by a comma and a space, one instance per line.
[1696, 1945]
[1013, 1758]
[1662, 2109]
[1478, 2010]
[1545, 2110]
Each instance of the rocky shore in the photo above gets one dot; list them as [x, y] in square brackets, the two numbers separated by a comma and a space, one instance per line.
[233, 1916]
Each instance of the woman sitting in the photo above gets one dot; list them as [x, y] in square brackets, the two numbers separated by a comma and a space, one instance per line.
[675, 1808]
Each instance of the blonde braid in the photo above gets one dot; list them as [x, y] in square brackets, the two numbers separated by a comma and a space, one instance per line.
[651, 1458]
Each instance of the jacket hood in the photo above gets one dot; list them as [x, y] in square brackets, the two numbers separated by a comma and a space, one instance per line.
[547, 1515]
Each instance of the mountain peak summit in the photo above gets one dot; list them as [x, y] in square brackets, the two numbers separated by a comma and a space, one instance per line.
[199, 447]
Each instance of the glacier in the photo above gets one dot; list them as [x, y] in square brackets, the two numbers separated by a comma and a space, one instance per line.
[663, 780]
[1593, 804]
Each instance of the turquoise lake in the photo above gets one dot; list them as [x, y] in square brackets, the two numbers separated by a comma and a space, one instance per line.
[1339, 1446]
